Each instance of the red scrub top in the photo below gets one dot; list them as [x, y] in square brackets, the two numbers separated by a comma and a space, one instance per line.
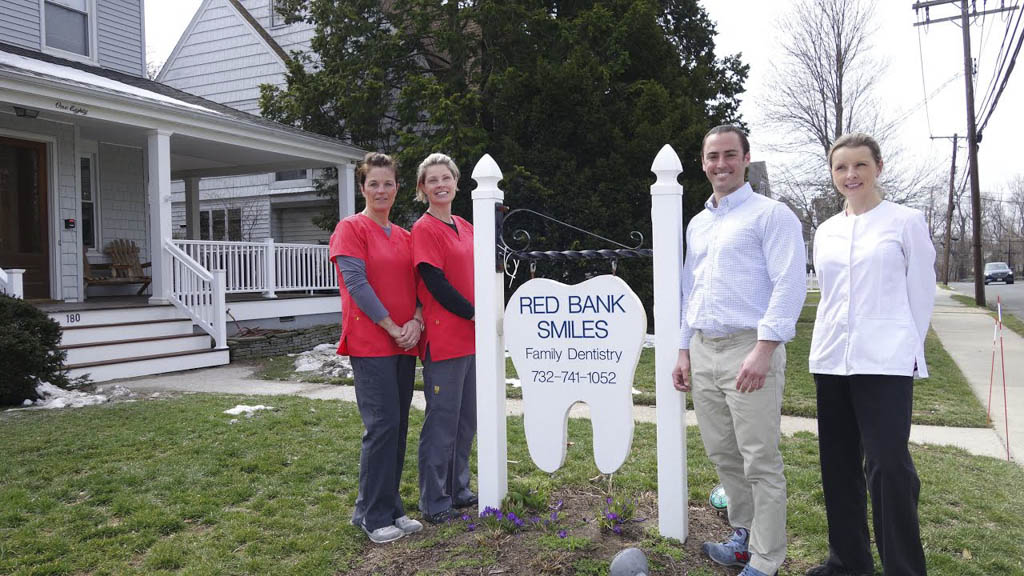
[391, 274]
[434, 242]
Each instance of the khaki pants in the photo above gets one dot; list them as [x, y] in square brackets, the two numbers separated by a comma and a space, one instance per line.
[741, 437]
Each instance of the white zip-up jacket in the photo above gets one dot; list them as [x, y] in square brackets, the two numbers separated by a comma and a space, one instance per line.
[877, 278]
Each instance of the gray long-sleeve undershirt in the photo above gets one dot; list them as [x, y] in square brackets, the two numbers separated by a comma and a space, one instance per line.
[353, 271]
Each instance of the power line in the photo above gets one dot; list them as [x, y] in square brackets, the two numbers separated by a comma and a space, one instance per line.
[1001, 56]
[1006, 77]
[924, 86]
[972, 125]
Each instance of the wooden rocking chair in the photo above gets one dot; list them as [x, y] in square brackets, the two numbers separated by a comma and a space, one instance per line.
[124, 267]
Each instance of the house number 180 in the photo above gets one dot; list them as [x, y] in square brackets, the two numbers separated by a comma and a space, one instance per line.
[72, 318]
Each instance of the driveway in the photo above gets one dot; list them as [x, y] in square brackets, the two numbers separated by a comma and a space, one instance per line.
[1012, 295]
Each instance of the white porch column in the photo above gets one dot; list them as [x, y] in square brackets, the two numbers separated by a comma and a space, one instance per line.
[667, 229]
[269, 269]
[158, 188]
[346, 190]
[192, 208]
[489, 301]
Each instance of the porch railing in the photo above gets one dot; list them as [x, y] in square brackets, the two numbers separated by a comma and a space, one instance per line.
[11, 282]
[198, 292]
[265, 267]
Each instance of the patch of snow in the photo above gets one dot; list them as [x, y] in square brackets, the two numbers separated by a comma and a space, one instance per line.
[52, 397]
[84, 78]
[515, 382]
[648, 341]
[635, 392]
[247, 410]
[324, 359]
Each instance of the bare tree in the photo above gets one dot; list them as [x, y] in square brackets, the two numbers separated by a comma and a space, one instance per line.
[1015, 198]
[824, 88]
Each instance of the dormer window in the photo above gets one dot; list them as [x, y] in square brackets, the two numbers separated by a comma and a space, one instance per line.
[68, 27]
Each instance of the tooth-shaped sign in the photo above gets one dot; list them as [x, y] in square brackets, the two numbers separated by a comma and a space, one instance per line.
[576, 344]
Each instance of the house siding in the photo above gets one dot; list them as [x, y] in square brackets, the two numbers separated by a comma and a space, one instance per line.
[62, 152]
[294, 225]
[244, 192]
[224, 60]
[119, 27]
[122, 192]
[19, 23]
[291, 37]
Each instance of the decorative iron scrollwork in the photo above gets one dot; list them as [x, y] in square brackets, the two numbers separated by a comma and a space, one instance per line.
[507, 253]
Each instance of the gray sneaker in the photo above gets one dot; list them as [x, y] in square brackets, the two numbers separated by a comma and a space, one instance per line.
[384, 534]
[408, 525]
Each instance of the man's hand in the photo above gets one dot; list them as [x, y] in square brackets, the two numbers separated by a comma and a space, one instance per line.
[681, 373]
[755, 366]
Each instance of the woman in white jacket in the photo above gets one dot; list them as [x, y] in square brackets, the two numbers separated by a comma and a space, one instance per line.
[875, 265]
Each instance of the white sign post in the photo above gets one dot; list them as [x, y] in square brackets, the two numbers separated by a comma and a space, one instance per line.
[667, 227]
[608, 364]
[576, 344]
[489, 300]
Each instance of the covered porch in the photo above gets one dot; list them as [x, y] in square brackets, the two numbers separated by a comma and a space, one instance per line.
[88, 155]
[87, 161]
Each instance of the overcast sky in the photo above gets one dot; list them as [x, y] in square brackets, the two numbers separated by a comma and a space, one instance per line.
[752, 27]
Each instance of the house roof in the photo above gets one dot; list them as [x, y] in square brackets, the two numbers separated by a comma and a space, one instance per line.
[47, 67]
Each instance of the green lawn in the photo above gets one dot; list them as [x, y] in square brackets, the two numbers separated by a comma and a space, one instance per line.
[944, 399]
[170, 486]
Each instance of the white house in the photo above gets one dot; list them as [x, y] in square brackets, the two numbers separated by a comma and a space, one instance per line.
[227, 51]
[90, 151]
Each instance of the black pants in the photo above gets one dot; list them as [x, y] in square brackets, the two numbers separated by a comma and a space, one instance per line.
[864, 427]
[383, 394]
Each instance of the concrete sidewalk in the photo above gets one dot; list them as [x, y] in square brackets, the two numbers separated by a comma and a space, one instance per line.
[235, 379]
[966, 333]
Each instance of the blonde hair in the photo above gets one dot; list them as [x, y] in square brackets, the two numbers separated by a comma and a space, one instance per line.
[435, 159]
[856, 140]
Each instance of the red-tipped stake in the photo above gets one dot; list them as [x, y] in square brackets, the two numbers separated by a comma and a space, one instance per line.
[1002, 362]
[992, 373]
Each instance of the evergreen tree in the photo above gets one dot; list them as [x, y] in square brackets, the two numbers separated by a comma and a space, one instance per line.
[573, 99]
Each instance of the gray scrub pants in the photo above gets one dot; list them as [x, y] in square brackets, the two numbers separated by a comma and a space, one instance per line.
[449, 425]
[383, 394]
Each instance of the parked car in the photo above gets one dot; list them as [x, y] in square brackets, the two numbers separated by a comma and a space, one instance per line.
[998, 272]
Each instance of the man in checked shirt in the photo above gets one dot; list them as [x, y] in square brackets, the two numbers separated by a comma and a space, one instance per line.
[742, 287]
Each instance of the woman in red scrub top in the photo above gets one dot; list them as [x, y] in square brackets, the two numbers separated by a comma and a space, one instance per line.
[381, 327]
[442, 246]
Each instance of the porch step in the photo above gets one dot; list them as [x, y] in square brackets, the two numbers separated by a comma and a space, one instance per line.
[152, 364]
[75, 316]
[134, 348]
[74, 335]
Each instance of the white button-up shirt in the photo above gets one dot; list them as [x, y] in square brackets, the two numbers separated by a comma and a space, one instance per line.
[877, 278]
[744, 269]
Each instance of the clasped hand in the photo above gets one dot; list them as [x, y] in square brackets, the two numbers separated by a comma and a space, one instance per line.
[407, 335]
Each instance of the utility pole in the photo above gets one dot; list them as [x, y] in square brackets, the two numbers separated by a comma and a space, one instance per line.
[972, 128]
[949, 214]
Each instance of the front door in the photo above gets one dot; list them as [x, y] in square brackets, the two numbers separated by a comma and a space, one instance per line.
[24, 233]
